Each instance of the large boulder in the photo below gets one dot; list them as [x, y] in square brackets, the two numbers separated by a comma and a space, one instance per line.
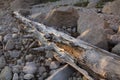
[116, 49]
[90, 20]
[112, 7]
[62, 17]
[92, 29]
[95, 36]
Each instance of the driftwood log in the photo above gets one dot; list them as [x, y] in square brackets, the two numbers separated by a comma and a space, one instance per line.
[99, 63]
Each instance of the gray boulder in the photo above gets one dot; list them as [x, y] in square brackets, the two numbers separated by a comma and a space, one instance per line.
[92, 27]
[62, 16]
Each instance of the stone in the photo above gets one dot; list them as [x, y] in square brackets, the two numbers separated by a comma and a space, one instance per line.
[88, 20]
[48, 61]
[16, 69]
[6, 74]
[45, 74]
[10, 45]
[14, 53]
[22, 4]
[39, 17]
[91, 28]
[2, 62]
[1, 38]
[15, 76]
[28, 76]
[52, 71]
[7, 37]
[29, 57]
[41, 70]
[62, 16]
[30, 68]
[19, 61]
[54, 65]
[92, 5]
[95, 37]
[114, 39]
[49, 54]
[15, 30]
[112, 8]
[109, 31]
[116, 49]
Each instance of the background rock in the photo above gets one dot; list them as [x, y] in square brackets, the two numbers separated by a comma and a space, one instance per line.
[62, 16]
[112, 8]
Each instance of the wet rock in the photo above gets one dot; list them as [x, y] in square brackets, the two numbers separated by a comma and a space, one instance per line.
[15, 76]
[28, 76]
[62, 16]
[30, 68]
[116, 49]
[14, 53]
[54, 65]
[2, 62]
[6, 74]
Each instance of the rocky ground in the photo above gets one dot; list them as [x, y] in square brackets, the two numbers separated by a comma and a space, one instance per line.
[18, 58]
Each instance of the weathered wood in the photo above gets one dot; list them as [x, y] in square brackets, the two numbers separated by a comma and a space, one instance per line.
[101, 62]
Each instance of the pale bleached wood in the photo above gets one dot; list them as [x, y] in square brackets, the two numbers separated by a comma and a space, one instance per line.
[101, 62]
